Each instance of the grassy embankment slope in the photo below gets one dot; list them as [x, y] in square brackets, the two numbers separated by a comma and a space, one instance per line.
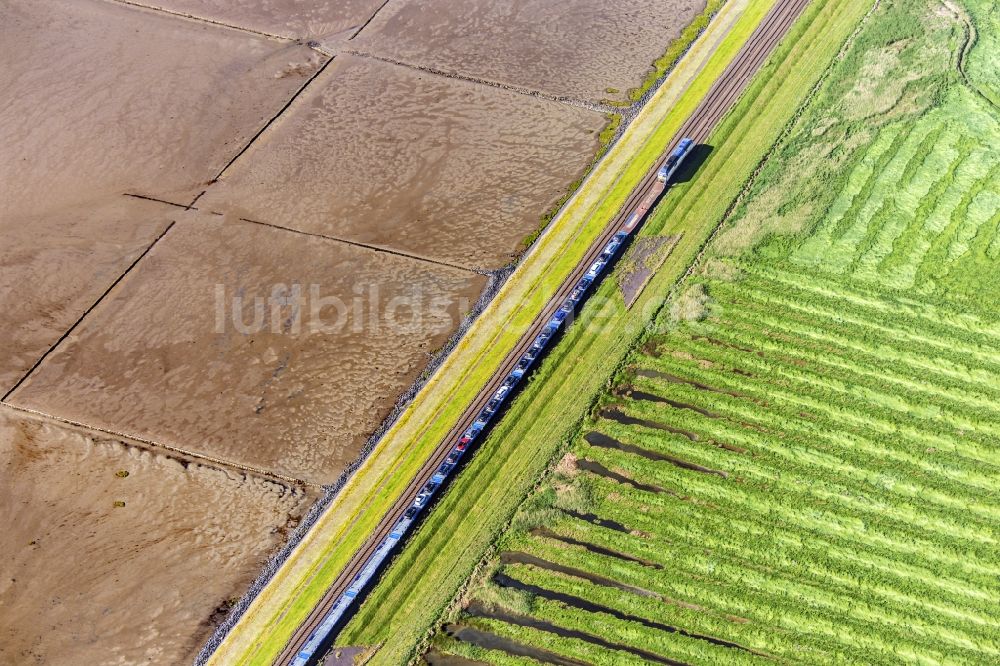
[802, 463]
[479, 504]
[301, 581]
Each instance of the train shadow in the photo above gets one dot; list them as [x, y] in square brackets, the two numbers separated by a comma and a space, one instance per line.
[692, 163]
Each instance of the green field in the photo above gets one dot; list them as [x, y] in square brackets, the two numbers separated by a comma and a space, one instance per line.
[801, 463]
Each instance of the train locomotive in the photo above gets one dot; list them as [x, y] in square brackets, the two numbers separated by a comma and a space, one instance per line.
[333, 616]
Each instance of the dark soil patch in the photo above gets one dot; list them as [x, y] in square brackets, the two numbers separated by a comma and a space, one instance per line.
[651, 347]
[644, 258]
[344, 656]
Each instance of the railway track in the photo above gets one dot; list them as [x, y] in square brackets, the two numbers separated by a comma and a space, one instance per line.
[717, 102]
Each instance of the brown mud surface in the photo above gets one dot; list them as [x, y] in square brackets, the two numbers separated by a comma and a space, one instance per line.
[419, 164]
[293, 19]
[295, 391]
[86, 581]
[101, 99]
[91, 247]
[580, 48]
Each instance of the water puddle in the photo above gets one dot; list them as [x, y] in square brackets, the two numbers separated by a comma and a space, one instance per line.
[594, 519]
[599, 439]
[435, 657]
[674, 379]
[616, 414]
[490, 641]
[600, 550]
[479, 610]
[634, 394]
[601, 470]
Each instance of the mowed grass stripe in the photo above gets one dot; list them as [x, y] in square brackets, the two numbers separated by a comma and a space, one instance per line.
[672, 646]
[915, 588]
[712, 532]
[805, 447]
[971, 412]
[940, 478]
[669, 522]
[707, 622]
[982, 346]
[817, 398]
[863, 351]
[754, 479]
[965, 623]
[942, 318]
[942, 373]
[950, 539]
[744, 588]
[852, 226]
[820, 516]
[965, 471]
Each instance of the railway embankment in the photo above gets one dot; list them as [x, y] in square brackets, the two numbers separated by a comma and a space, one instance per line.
[296, 578]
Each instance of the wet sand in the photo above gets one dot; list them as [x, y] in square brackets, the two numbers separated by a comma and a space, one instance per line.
[580, 48]
[92, 246]
[412, 162]
[294, 19]
[295, 394]
[87, 582]
[101, 99]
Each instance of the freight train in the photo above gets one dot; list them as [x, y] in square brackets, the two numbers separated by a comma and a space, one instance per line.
[319, 635]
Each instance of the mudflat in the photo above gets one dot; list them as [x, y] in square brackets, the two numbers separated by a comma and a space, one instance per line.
[114, 553]
[55, 266]
[292, 19]
[414, 163]
[591, 49]
[255, 346]
[233, 235]
[102, 99]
